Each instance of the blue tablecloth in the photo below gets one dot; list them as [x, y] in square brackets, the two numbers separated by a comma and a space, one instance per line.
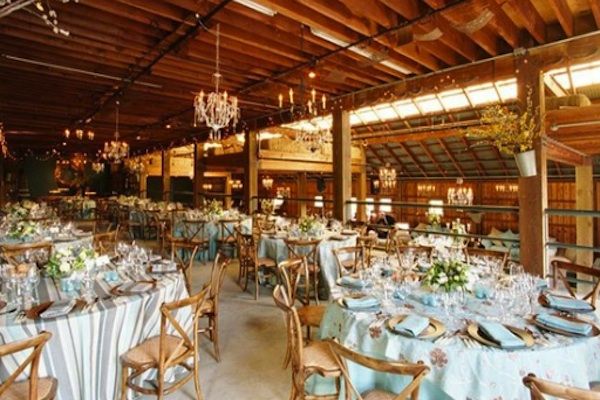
[459, 369]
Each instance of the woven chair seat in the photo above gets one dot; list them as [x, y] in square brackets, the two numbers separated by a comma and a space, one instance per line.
[146, 353]
[318, 355]
[19, 391]
[230, 240]
[378, 395]
[266, 262]
[311, 315]
[208, 306]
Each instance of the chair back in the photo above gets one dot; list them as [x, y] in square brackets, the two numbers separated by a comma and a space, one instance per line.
[417, 371]
[560, 270]
[265, 225]
[194, 231]
[474, 253]
[293, 326]
[539, 387]
[290, 272]
[187, 344]
[349, 259]
[367, 242]
[36, 345]
[179, 254]
[227, 229]
[303, 248]
[106, 242]
[14, 253]
[217, 275]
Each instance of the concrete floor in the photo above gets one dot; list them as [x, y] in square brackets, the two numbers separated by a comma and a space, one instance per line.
[252, 346]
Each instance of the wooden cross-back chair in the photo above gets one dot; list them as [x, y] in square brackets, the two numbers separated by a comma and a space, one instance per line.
[34, 388]
[227, 239]
[560, 270]
[349, 259]
[307, 249]
[290, 273]
[106, 242]
[474, 253]
[417, 371]
[166, 351]
[539, 387]
[157, 226]
[210, 309]
[194, 234]
[184, 255]
[249, 262]
[14, 253]
[265, 225]
[367, 243]
[306, 360]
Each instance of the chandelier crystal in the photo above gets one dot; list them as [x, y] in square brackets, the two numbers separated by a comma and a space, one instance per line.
[217, 109]
[116, 150]
[41, 9]
[387, 177]
[460, 195]
[315, 136]
[267, 182]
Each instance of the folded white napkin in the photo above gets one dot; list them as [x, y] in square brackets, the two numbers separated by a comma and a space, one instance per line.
[58, 308]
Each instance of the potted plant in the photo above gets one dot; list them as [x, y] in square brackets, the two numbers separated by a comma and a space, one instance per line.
[511, 132]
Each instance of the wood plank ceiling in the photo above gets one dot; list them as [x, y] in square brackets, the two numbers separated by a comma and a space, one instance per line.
[153, 55]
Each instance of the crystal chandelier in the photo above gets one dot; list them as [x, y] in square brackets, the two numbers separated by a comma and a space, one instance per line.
[460, 195]
[42, 10]
[314, 136]
[267, 182]
[116, 150]
[217, 109]
[387, 177]
[97, 167]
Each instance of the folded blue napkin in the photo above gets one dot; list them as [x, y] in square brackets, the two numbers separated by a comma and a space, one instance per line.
[565, 303]
[398, 295]
[553, 321]
[111, 276]
[363, 303]
[501, 335]
[412, 325]
[428, 299]
[351, 282]
[481, 292]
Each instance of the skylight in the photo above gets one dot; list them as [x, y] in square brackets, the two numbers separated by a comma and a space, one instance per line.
[428, 104]
[482, 94]
[577, 76]
[454, 99]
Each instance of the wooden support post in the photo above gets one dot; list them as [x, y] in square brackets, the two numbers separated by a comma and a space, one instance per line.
[166, 175]
[227, 198]
[2, 181]
[199, 167]
[584, 200]
[361, 210]
[533, 191]
[144, 185]
[302, 193]
[342, 163]
[250, 172]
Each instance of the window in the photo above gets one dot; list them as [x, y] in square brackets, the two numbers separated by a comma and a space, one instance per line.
[436, 210]
[318, 201]
[385, 205]
[369, 208]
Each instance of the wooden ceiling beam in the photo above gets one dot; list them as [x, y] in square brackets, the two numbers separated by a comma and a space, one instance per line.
[409, 9]
[473, 155]
[525, 13]
[432, 157]
[451, 156]
[595, 7]
[395, 157]
[563, 13]
[560, 152]
[413, 158]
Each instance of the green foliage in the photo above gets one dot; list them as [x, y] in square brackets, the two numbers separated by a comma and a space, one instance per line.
[447, 274]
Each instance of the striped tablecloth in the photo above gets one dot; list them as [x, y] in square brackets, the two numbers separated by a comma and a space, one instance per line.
[83, 353]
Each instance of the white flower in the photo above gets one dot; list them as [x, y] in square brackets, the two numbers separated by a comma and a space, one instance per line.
[442, 279]
[65, 267]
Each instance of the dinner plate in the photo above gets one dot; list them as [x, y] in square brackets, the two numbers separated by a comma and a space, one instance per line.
[36, 311]
[171, 267]
[433, 331]
[125, 289]
[474, 332]
[544, 302]
[340, 283]
[594, 332]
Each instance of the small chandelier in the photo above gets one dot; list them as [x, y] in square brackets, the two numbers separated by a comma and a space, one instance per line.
[387, 177]
[460, 195]
[116, 150]
[97, 167]
[207, 187]
[267, 182]
[237, 184]
[217, 109]
[314, 136]
[135, 166]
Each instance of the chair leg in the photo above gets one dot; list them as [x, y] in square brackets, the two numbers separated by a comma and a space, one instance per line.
[215, 336]
[197, 371]
[256, 291]
[316, 286]
[124, 383]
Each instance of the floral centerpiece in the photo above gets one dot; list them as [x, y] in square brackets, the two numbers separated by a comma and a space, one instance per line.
[267, 206]
[513, 133]
[310, 226]
[447, 274]
[64, 262]
[15, 210]
[24, 230]
[434, 219]
[213, 209]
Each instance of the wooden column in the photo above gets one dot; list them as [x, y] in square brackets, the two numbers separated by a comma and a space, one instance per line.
[533, 191]
[144, 185]
[342, 163]
[166, 174]
[199, 168]
[2, 181]
[361, 211]
[250, 172]
[302, 193]
[227, 198]
[584, 200]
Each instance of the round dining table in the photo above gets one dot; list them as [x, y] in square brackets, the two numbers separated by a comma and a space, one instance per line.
[461, 368]
[273, 246]
[83, 353]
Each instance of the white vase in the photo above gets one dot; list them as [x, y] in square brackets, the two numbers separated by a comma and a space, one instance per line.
[526, 163]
